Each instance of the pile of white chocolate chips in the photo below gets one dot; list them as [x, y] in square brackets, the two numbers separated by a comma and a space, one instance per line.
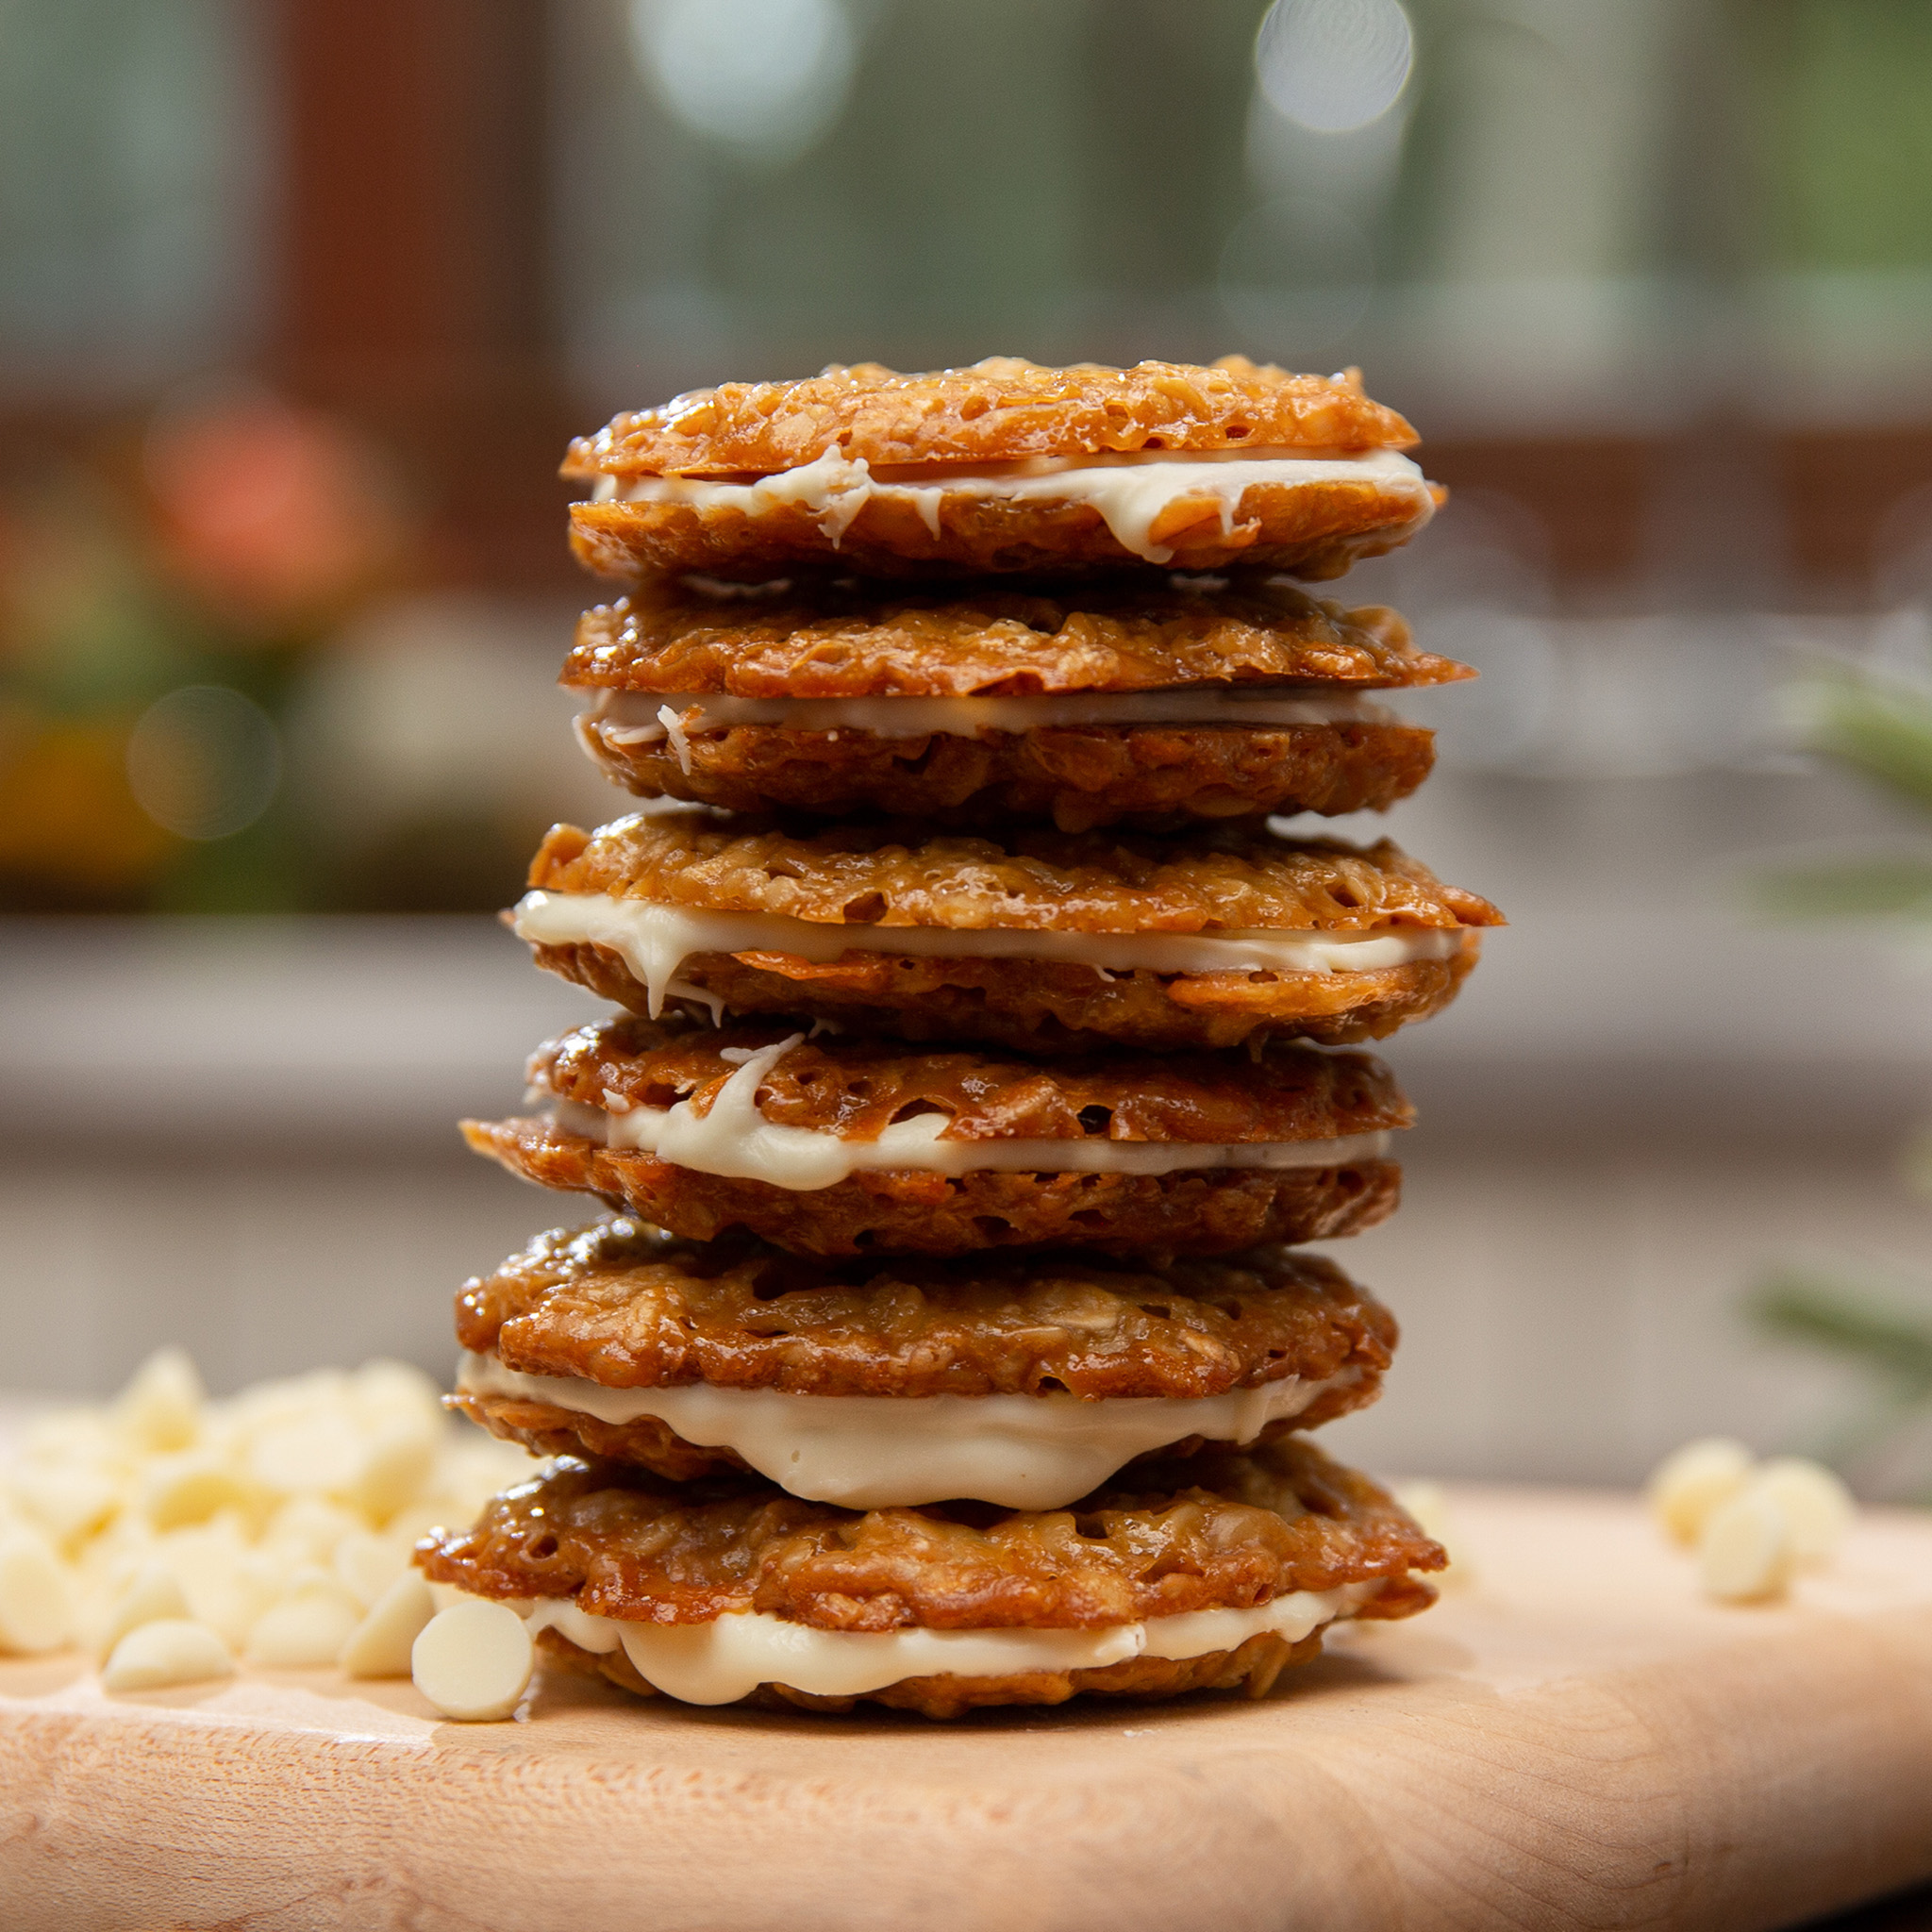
[173, 1535]
[1753, 1525]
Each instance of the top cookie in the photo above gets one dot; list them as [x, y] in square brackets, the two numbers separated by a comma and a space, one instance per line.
[1002, 468]
[1003, 409]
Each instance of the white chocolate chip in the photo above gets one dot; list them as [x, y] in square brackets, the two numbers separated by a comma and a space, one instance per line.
[1816, 1506]
[368, 1564]
[161, 1407]
[69, 1500]
[473, 1661]
[1744, 1552]
[1687, 1486]
[190, 1488]
[394, 1471]
[36, 1606]
[171, 1651]
[381, 1644]
[307, 1628]
[153, 1596]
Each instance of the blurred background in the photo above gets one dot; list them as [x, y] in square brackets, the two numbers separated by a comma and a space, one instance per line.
[299, 304]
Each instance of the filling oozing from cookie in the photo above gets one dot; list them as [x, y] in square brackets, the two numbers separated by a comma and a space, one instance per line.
[876, 1452]
[1136, 493]
[653, 941]
[732, 1139]
[628, 718]
[728, 1658]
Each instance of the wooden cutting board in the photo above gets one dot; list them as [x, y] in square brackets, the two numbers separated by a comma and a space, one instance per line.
[1573, 1740]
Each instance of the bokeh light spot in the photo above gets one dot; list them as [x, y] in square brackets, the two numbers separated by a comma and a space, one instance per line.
[204, 762]
[1334, 64]
[767, 78]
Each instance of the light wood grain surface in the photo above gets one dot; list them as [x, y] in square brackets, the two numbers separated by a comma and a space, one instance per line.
[1573, 1740]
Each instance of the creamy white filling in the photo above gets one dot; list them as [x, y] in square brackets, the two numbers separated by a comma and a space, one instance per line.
[1131, 490]
[878, 1452]
[728, 1658]
[632, 718]
[732, 1138]
[655, 940]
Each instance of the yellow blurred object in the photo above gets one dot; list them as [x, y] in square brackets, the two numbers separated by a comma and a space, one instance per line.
[67, 816]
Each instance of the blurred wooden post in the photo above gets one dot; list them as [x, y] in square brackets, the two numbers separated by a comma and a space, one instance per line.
[413, 286]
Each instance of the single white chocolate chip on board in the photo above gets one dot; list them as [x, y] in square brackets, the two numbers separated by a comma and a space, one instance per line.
[1688, 1484]
[1816, 1506]
[172, 1650]
[307, 1628]
[473, 1661]
[36, 1606]
[160, 1408]
[1744, 1554]
[153, 1596]
[380, 1644]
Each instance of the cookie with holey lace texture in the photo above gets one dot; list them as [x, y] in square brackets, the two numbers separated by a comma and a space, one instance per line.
[1002, 467]
[840, 1145]
[1044, 940]
[1116, 703]
[717, 1590]
[1021, 1380]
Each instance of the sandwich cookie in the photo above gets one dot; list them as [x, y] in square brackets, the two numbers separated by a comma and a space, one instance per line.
[849, 1146]
[1000, 467]
[1208, 1572]
[1042, 940]
[1025, 1381]
[1148, 705]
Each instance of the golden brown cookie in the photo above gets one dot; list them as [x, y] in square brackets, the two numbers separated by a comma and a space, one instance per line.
[1112, 635]
[1145, 707]
[845, 1146]
[1005, 467]
[610, 1555]
[1047, 942]
[578, 1345]
[1002, 409]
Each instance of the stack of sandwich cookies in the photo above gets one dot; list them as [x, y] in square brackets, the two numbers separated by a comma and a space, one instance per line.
[947, 1344]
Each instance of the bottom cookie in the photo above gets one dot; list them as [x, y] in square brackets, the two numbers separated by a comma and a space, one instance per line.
[1206, 1572]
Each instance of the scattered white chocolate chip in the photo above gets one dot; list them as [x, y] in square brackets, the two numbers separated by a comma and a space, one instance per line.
[69, 1501]
[1817, 1506]
[381, 1644]
[307, 1628]
[37, 1606]
[296, 1501]
[473, 1661]
[1745, 1551]
[161, 1407]
[170, 1650]
[368, 1563]
[190, 1488]
[394, 1468]
[154, 1595]
[1688, 1484]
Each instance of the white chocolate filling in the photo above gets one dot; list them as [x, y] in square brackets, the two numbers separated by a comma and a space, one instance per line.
[880, 1452]
[655, 940]
[1132, 491]
[628, 718]
[725, 1659]
[732, 1139]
